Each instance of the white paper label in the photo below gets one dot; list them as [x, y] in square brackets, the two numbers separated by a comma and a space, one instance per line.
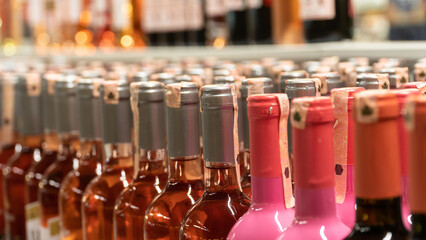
[52, 232]
[254, 4]
[234, 5]
[215, 8]
[32, 221]
[317, 9]
[194, 15]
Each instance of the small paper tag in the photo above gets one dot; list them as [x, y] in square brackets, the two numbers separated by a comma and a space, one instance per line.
[323, 85]
[383, 81]
[111, 94]
[33, 83]
[32, 221]
[420, 72]
[402, 76]
[283, 141]
[366, 109]
[317, 9]
[254, 86]
[299, 111]
[134, 104]
[317, 83]
[173, 95]
[409, 112]
[97, 82]
[340, 101]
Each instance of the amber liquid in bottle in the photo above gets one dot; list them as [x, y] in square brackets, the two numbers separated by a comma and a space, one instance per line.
[204, 220]
[185, 186]
[6, 153]
[132, 203]
[100, 195]
[73, 186]
[52, 178]
[32, 180]
[14, 185]
[245, 173]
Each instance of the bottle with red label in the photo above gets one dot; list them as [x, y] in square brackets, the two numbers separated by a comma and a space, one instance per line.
[222, 184]
[343, 99]
[327, 20]
[271, 210]
[377, 167]
[314, 180]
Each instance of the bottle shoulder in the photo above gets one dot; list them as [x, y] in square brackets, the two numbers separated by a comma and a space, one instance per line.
[377, 233]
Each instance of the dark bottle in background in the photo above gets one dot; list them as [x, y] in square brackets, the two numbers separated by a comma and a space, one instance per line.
[237, 21]
[195, 22]
[327, 20]
[259, 21]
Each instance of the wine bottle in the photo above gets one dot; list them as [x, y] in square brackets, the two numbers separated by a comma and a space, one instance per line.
[222, 184]
[373, 81]
[249, 87]
[147, 101]
[343, 99]
[91, 157]
[397, 76]
[415, 117]
[117, 169]
[329, 81]
[327, 20]
[49, 154]
[377, 167]
[259, 14]
[237, 21]
[271, 210]
[185, 182]
[65, 94]
[28, 93]
[9, 134]
[314, 180]
[404, 143]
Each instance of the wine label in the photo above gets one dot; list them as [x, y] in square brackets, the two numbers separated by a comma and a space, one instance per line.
[255, 86]
[97, 82]
[194, 19]
[299, 111]
[420, 72]
[402, 76]
[33, 84]
[254, 4]
[340, 100]
[234, 5]
[317, 9]
[111, 93]
[283, 142]
[383, 81]
[52, 232]
[8, 109]
[134, 102]
[32, 221]
[215, 8]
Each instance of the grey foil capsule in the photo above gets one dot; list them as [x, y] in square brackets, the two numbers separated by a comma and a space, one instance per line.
[116, 111]
[28, 89]
[248, 87]
[183, 120]
[392, 76]
[290, 75]
[152, 122]
[48, 89]
[372, 81]
[90, 108]
[165, 78]
[217, 103]
[65, 91]
[329, 81]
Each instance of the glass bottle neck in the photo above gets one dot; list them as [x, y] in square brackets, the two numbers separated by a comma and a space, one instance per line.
[69, 144]
[32, 142]
[151, 161]
[91, 155]
[118, 155]
[315, 203]
[379, 213]
[221, 177]
[51, 141]
[185, 169]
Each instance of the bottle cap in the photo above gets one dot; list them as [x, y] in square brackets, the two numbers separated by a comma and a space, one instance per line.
[378, 170]
[226, 79]
[364, 69]
[329, 81]
[165, 78]
[65, 91]
[90, 108]
[256, 70]
[221, 72]
[291, 75]
[187, 78]
[219, 116]
[312, 120]
[421, 86]
[343, 99]
[28, 90]
[397, 76]
[268, 115]
[373, 81]
[183, 119]
[303, 87]
[116, 111]
[415, 115]
[249, 87]
[140, 77]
